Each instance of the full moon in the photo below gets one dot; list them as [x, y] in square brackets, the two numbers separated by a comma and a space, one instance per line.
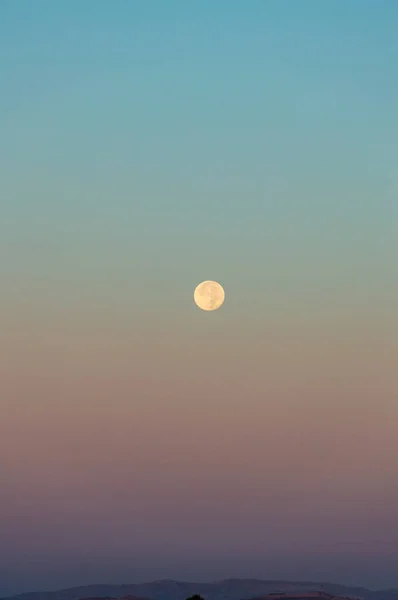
[209, 295]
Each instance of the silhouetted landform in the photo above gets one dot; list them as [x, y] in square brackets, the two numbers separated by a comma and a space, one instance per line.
[315, 595]
[128, 597]
[228, 589]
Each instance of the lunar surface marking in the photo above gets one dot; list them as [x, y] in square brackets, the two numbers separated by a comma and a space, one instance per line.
[209, 295]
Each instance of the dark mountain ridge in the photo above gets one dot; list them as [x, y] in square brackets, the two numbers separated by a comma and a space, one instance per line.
[228, 589]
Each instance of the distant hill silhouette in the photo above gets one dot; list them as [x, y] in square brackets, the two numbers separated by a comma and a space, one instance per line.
[128, 597]
[228, 589]
[315, 595]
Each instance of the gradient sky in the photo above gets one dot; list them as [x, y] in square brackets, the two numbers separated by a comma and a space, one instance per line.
[146, 146]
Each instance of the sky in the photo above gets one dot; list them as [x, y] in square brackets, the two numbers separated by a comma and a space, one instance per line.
[145, 147]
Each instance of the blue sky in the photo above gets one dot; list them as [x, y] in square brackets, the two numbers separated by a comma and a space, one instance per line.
[248, 114]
